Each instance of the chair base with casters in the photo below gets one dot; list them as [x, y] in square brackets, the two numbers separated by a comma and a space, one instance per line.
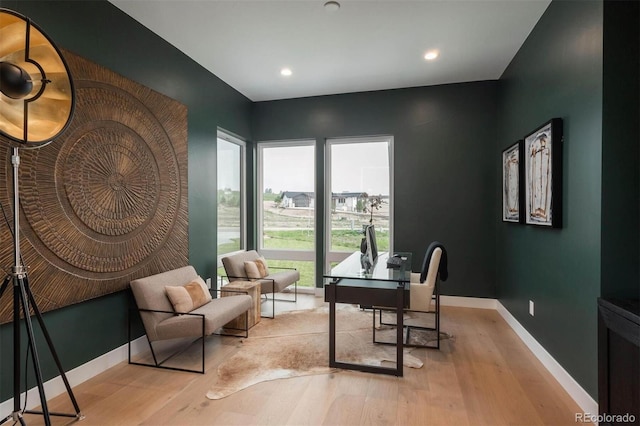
[274, 282]
[409, 340]
[162, 323]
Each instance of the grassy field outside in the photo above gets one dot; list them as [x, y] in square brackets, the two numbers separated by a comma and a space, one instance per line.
[293, 229]
[348, 241]
[306, 269]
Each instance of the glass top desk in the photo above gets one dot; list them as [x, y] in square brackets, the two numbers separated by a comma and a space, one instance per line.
[349, 283]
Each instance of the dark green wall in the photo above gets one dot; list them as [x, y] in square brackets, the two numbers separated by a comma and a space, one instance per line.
[620, 151]
[444, 174]
[448, 141]
[558, 73]
[102, 33]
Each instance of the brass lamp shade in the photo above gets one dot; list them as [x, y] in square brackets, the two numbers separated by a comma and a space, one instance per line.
[36, 90]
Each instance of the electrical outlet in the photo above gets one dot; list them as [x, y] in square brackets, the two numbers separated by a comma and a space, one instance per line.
[531, 312]
[209, 282]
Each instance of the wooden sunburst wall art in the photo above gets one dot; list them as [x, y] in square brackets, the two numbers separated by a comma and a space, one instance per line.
[106, 202]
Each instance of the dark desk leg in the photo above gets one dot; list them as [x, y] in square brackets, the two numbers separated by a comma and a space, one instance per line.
[331, 289]
[331, 297]
[400, 329]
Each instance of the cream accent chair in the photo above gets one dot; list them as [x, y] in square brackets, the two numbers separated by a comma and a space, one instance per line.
[422, 287]
[273, 283]
[424, 294]
[162, 323]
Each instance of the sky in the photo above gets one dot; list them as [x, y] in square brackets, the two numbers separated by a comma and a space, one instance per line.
[360, 167]
[288, 168]
[228, 165]
[355, 167]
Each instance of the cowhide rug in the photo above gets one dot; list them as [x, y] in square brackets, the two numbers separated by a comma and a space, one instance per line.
[297, 344]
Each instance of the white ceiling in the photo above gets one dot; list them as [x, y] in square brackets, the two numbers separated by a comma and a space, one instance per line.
[365, 45]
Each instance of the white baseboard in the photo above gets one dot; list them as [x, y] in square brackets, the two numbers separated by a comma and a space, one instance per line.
[468, 302]
[80, 374]
[579, 395]
[55, 386]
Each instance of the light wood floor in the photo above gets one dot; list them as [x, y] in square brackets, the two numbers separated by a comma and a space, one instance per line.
[483, 375]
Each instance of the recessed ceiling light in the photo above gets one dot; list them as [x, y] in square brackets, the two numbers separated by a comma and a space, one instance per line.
[286, 72]
[331, 6]
[431, 55]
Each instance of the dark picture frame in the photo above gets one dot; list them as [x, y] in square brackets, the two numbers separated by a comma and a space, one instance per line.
[543, 175]
[512, 173]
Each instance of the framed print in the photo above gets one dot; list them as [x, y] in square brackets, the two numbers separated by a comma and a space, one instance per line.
[512, 183]
[543, 175]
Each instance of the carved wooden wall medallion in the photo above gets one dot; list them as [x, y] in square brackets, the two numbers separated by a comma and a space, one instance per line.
[107, 201]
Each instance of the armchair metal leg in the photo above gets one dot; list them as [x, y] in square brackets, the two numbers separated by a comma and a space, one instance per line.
[182, 349]
[295, 294]
[159, 364]
[273, 304]
[273, 300]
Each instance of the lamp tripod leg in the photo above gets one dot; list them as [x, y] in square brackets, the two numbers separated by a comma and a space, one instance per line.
[4, 285]
[16, 415]
[23, 299]
[21, 287]
[52, 349]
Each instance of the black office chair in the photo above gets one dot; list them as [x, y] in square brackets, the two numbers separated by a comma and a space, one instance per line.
[425, 299]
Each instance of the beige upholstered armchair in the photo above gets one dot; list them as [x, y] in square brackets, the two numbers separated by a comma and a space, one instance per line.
[249, 265]
[177, 304]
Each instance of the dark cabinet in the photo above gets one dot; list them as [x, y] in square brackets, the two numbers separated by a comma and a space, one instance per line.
[619, 361]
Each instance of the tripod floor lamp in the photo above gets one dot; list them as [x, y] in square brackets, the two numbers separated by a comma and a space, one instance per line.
[36, 106]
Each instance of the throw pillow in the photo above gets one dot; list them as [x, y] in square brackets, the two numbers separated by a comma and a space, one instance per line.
[186, 298]
[261, 263]
[256, 269]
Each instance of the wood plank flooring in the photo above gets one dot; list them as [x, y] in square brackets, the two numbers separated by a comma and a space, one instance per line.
[483, 375]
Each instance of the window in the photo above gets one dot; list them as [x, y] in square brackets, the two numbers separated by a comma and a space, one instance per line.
[286, 206]
[231, 194]
[359, 174]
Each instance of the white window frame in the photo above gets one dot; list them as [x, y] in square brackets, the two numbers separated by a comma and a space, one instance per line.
[334, 256]
[296, 255]
[228, 137]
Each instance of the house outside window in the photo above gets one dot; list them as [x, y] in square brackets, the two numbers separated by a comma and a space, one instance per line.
[358, 170]
[286, 206]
